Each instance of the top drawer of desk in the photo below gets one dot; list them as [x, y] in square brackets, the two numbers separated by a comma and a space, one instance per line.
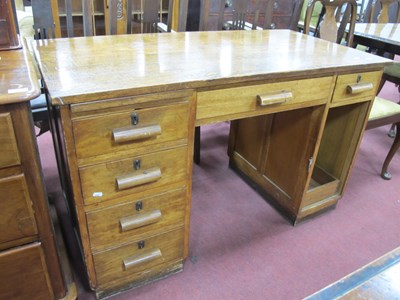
[109, 133]
[216, 104]
[352, 87]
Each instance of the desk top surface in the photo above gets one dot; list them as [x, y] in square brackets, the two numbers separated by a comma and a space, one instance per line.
[388, 33]
[18, 79]
[148, 63]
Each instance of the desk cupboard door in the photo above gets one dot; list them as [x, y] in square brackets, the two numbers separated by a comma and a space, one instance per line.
[23, 274]
[275, 152]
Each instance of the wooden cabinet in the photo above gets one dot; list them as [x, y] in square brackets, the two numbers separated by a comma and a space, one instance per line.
[301, 159]
[29, 258]
[130, 190]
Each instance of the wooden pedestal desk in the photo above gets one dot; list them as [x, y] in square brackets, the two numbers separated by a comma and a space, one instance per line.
[124, 111]
[29, 258]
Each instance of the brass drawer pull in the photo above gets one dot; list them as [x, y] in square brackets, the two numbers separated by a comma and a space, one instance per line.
[138, 178]
[274, 98]
[142, 258]
[140, 220]
[134, 133]
[360, 87]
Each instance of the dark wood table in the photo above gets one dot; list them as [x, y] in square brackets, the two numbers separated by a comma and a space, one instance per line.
[383, 37]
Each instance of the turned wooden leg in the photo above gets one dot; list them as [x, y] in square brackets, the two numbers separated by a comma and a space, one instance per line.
[396, 144]
[196, 152]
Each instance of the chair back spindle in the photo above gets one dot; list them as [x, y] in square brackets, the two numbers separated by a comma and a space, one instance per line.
[344, 11]
[43, 23]
[382, 8]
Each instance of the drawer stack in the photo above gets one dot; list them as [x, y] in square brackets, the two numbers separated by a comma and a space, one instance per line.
[24, 219]
[133, 167]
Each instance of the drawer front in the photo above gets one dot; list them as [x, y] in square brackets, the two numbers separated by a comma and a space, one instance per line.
[131, 260]
[16, 215]
[109, 133]
[263, 97]
[9, 151]
[24, 274]
[356, 86]
[133, 175]
[136, 219]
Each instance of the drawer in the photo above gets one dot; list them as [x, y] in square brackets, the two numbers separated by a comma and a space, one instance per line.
[356, 86]
[9, 150]
[24, 274]
[17, 219]
[136, 219]
[133, 175]
[218, 104]
[109, 133]
[134, 260]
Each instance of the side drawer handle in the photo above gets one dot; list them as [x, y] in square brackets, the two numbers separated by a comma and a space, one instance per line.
[140, 220]
[274, 98]
[134, 133]
[141, 258]
[138, 178]
[360, 87]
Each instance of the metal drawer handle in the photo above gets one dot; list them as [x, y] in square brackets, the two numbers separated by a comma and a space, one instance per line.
[142, 258]
[360, 87]
[138, 178]
[134, 133]
[140, 220]
[274, 98]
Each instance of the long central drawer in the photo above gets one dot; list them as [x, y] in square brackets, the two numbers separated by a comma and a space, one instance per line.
[261, 98]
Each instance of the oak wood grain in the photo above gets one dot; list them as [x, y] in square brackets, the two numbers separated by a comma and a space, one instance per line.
[151, 63]
[36, 282]
[99, 181]
[109, 264]
[104, 224]
[9, 149]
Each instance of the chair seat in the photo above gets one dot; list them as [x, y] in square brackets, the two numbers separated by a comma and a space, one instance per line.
[393, 70]
[383, 108]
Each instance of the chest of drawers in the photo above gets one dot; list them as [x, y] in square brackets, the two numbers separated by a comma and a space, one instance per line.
[30, 261]
[27, 245]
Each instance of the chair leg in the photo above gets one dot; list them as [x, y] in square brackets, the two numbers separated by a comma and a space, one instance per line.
[396, 144]
[196, 152]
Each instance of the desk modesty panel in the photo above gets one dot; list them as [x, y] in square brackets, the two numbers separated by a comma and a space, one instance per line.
[124, 110]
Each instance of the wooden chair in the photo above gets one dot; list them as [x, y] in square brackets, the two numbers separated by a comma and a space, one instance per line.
[382, 11]
[296, 15]
[342, 12]
[237, 15]
[151, 18]
[386, 112]
[386, 11]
